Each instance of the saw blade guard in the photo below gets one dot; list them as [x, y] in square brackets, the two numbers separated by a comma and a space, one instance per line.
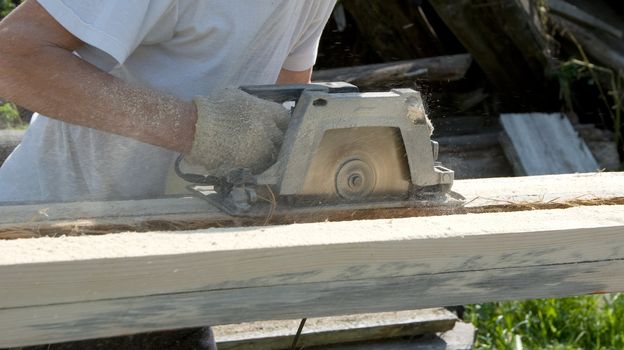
[359, 133]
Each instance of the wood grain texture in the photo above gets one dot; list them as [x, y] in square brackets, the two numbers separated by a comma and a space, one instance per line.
[278, 335]
[69, 288]
[482, 195]
[540, 144]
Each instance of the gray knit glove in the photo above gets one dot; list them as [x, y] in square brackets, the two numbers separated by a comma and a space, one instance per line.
[236, 130]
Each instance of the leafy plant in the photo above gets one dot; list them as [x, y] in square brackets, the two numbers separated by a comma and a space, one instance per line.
[10, 117]
[6, 6]
[589, 322]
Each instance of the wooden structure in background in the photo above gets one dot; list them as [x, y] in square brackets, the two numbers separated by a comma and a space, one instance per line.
[504, 37]
[541, 144]
[442, 68]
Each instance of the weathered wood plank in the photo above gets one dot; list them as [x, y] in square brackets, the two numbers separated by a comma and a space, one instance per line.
[278, 335]
[540, 144]
[496, 194]
[459, 338]
[443, 68]
[57, 289]
[63, 322]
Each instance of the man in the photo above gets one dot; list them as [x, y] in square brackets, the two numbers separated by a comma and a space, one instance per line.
[115, 82]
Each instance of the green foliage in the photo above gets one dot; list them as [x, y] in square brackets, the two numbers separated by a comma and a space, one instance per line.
[6, 6]
[589, 322]
[9, 117]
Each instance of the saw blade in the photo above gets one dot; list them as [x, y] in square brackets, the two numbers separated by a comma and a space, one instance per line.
[355, 164]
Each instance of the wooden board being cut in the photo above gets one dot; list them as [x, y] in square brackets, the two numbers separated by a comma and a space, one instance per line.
[69, 288]
[482, 195]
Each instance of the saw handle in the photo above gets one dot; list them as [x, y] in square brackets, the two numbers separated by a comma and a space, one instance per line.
[291, 92]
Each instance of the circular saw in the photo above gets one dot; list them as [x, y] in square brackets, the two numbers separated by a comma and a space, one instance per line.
[343, 149]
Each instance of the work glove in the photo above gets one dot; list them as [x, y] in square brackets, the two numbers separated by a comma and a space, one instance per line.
[236, 130]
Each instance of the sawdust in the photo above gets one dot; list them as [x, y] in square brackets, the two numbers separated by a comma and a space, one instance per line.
[237, 130]
[115, 225]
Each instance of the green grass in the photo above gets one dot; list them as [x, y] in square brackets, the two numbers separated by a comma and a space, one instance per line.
[588, 322]
[10, 118]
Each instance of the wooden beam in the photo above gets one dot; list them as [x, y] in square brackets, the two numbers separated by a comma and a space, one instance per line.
[459, 338]
[187, 213]
[70, 288]
[278, 335]
[443, 68]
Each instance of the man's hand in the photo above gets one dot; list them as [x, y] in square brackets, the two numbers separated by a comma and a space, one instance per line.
[236, 130]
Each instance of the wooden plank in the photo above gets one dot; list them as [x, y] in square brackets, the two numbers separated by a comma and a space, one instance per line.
[482, 195]
[277, 335]
[69, 288]
[539, 144]
[459, 338]
[443, 68]
[64, 322]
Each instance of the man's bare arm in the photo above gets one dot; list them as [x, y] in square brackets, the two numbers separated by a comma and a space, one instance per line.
[39, 71]
[294, 77]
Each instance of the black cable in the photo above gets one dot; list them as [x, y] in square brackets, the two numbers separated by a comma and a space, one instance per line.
[296, 340]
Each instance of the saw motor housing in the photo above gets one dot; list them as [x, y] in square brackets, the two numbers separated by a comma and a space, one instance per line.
[342, 147]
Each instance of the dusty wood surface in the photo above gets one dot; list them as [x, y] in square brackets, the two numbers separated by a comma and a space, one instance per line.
[540, 144]
[482, 195]
[277, 335]
[68, 288]
[443, 68]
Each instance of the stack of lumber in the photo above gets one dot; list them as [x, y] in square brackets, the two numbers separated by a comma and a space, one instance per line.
[515, 238]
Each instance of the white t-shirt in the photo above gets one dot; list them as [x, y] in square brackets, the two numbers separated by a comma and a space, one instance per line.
[182, 47]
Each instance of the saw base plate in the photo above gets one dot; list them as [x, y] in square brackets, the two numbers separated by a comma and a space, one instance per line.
[290, 206]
